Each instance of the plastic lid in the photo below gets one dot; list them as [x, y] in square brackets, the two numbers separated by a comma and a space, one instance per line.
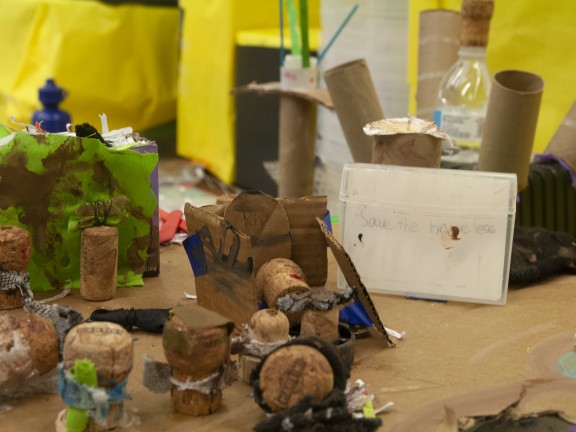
[51, 94]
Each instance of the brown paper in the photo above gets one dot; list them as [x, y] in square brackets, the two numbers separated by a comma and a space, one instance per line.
[438, 44]
[406, 141]
[510, 125]
[98, 263]
[296, 146]
[563, 143]
[356, 103]
[523, 399]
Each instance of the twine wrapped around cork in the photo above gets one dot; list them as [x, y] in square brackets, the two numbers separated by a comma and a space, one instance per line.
[98, 246]
[15, 253]
[196, 344]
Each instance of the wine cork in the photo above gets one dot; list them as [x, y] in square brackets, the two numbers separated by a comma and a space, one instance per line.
[279, 277]
[15, 248]
[98, 263]
[28, 347]
[269, 326]
[109, 346]
[307, 366]
[196, 345]
[476, 16]
[15, 253]
[323, 324]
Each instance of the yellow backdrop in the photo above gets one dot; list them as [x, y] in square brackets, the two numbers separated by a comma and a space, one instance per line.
[118, 60]
[535, 36]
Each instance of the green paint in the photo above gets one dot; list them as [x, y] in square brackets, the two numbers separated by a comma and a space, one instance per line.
[567, 365]
[45, 178]
[84, 372]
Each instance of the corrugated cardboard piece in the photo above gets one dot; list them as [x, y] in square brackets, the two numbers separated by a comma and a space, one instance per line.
[233, 240]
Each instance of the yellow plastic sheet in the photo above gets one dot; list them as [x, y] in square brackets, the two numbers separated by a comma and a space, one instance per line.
[206, 114]
[535, 36]
[119, 60]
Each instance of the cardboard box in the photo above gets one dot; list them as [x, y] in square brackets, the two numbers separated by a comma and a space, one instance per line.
[230, 242]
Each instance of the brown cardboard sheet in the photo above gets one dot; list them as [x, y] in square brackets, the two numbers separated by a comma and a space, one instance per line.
[450, 349]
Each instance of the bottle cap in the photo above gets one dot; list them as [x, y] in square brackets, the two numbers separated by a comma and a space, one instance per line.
[476, 16]
[51, 94]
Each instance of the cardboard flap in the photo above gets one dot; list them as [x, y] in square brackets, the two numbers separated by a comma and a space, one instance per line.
[226, 287]
[308, 242]
[320, 96]
[262, 218]
[353, 278]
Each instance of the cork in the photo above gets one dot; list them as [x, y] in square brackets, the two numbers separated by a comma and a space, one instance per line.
[109, 346]
[270, 325]
[194, 354]
[291, 373]
[28, 346]
[476, 16]
[98, 263]
[279, 277]
[15, 248]
[323, 324]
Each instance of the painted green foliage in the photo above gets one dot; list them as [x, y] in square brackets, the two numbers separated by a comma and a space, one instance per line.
[44, 178]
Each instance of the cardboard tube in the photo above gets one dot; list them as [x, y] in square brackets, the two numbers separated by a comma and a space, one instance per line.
[356, 103]
[407, 142]
[511, 123]
[297, 146]
[438, 44]
[98, 263]
[563, 143]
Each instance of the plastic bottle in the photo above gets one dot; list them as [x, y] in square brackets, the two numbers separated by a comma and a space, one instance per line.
[53, 119]
[465, 88]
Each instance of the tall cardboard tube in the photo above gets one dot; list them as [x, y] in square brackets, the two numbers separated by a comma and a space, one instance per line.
[356, 103]
[98, 263]
[296, 146]
[510, 125]
[438, 44]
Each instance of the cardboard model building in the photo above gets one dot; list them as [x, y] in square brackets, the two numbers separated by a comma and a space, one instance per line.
[229, 243]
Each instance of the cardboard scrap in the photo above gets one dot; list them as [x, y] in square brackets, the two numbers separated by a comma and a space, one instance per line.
[312, 94]
[353, 278]
[530, 398]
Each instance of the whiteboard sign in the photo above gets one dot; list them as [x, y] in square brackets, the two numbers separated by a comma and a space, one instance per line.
[429, 233]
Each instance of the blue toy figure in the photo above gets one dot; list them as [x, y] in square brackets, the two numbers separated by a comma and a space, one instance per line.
[52, 119]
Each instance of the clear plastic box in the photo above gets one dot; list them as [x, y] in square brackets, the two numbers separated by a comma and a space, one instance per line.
[438, 234]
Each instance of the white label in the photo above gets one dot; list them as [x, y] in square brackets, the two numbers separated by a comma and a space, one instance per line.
[464, 124]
